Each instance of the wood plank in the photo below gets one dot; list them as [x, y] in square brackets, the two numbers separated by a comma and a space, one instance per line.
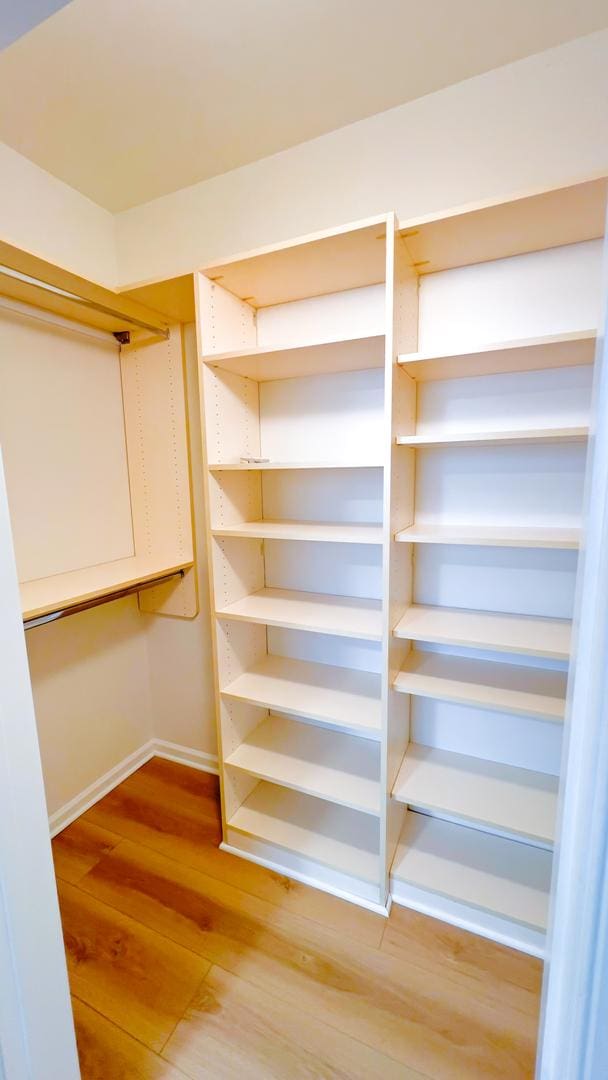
[264, 466]
[485, 793]
[288, 362]
[436, 1023]
[108, 1053]
[524, 354]
[524, 536]
[524, 691]
[129, 973]
[322, 531]
[345, 840]
[346, 616]
[526, 634]
[503, 877]
[79, 847]
[233, 1029]
[519, 437]
[341, 768]
[341, 696]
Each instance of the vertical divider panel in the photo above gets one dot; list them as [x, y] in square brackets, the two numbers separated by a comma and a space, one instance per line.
[154, 402]
[398, 510]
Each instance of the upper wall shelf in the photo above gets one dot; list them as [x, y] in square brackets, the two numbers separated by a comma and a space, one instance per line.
[266, 364]
[323, 531]
[519, 437]
[525, 354]
[324, 262]
[265, 466]
[491, 536]
[526, 634]
[565, 216]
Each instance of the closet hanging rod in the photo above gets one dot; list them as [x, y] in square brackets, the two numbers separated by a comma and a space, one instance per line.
[83, 301]
[96, 601]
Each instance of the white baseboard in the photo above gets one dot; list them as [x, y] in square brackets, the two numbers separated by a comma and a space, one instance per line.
[68, 813]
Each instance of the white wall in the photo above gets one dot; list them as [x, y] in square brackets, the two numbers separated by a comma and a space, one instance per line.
[539, 123]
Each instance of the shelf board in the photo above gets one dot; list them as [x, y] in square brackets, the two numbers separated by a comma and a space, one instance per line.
[323, 531]
[45, 595]
[340, 768]
[526, 634]
[485, 793]
[343, 839]
[526, 354]
[289, 362]
[496, 438]
[523, 536]
[485, 684]
[500, 876]
[345, 616]
[343, 697]
[264, 466]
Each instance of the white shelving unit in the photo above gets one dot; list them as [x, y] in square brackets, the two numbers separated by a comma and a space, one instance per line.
[396, 422]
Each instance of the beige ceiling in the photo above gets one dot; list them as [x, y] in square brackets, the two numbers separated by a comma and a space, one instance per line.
[130, 99]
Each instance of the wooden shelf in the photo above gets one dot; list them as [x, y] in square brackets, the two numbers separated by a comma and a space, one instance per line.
[526, 354]
[485, 793]
[45, 595]
[496, 438]
[326, 614]
[524, 536]
[340, 768]
[339, 696]
[264, 466]
[339, 838]
[284, 362]
[502, 632]
[485, 684]
[502, 877]
[323, 531]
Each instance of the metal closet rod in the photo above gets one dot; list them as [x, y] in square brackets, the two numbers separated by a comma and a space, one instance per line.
[83, 301]
[96, 601]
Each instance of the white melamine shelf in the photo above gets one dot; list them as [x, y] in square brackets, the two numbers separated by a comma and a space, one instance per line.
[329, 765]
[503, 877]
[324, 531]
[341, 615]
[264, 466]
[492, 796]
[340, 696]
[486, 684]
[343, 839]
[524, 536]
[45, 595]
[496, 438]
[289, 362]
[526, 634]
[525, 354]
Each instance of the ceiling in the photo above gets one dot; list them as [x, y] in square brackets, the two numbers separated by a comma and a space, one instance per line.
[126, 100]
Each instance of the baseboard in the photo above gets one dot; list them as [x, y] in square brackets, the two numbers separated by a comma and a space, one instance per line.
[195, 759]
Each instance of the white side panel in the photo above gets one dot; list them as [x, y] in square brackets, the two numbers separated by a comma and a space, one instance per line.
[325, 649]
[546, 292]
[342, 569]
[353, 495]
[357, 312]
[323, 417]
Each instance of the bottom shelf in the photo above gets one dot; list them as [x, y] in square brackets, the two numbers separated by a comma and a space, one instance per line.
[346, 840]
[502, 877]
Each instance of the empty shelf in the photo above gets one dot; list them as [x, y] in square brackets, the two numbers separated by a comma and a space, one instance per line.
[496, 438]
[342, 615]
[485, 793]
[332, 835]
[503, 877]
[61, 591]
[491, 536]
[264, 466]
[525, 354]
[337, 767]
[287, 362]
[334, 695]
[488, 684]
[326, 532]
[525, 634]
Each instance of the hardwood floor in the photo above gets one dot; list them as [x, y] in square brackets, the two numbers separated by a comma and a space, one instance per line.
[186, 962]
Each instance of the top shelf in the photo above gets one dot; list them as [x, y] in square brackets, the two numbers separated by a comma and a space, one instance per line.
[290, 362]
[526, 354]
